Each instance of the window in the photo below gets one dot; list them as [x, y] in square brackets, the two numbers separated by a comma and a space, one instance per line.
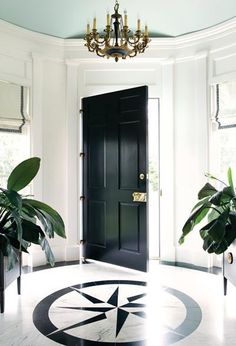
[225, 99]
[14, 148]
[224, 128]
[14, 128]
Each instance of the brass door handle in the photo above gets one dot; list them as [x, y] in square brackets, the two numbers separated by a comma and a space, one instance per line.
[139, 197]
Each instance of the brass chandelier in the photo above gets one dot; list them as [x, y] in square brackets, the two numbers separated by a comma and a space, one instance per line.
[118, 41]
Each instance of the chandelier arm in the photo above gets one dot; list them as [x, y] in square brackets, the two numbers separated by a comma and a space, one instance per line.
[133, 40]
[99, 53]
[90, 48]
[132, 55]
[99, 39]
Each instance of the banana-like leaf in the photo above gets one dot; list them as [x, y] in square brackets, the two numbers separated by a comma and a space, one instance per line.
[48, 252]
[17, 219]
[31, 232]
[217, 227]
[201, 202]
[206, 191]
[204, 230]
[214, 213]
[222, 197]
[220, 207]
[208, 243]
[230, 234]
[222, 246]
[13, 197]
[52, 214]
[22, 174]
[196, 217]
[33, 213]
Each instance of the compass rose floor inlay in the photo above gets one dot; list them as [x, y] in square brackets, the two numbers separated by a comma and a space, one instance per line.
[109, 311]
[98, 304]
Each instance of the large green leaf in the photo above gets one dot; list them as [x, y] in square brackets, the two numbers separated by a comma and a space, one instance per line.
[22, 174]
[31, 232]
[230, 234]
[201, 202]
[222, 197]
[33, 213]
[214, 213]
[221, 247]
[208, 243]
[206, 191]
[229, 192]
[13, 197]
[217, 227]
[49, 213]
[17, 220]
[204, 230]
[48, 252]
[196, 217]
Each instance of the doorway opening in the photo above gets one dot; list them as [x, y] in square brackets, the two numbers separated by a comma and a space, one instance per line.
[153, 178]
[98, 154]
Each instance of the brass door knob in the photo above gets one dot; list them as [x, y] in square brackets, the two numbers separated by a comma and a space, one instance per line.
[230, 257]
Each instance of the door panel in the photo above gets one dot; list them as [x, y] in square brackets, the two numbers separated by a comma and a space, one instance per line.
[128, 156]
[114, 132]
[128, 227]
[97, 153]
[96, 223]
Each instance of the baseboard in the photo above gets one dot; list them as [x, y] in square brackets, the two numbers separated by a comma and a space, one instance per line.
[27, 269]
[212, 270]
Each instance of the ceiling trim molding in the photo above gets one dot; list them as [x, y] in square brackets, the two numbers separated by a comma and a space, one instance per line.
[157, 44]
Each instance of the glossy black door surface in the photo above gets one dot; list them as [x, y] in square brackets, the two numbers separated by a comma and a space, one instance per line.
[114, 140]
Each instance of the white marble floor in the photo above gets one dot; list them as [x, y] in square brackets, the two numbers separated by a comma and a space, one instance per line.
[95, 304]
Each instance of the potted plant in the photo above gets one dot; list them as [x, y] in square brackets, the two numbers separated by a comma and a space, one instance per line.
[24, 220]
[218, 208]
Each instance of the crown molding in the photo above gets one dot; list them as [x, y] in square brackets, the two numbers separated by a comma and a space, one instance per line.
[163, 44]
[22, 33]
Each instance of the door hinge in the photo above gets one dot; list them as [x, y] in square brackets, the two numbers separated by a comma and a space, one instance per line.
[81, 111]
[82, 198]
[82, 154]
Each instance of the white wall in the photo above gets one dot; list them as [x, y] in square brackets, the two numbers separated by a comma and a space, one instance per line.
[178, 71]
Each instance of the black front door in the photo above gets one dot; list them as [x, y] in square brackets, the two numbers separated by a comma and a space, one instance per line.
[114, 140]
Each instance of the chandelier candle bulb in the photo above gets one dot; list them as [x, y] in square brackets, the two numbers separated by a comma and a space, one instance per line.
[108, 19]
[88, 29]
[126, 18]
[138, 24]
[146, 31]
[94, 23]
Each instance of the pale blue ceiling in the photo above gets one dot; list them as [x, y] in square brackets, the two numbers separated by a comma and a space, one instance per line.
[68, 18]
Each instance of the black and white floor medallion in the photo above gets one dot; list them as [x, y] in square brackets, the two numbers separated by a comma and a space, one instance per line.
[110, 312]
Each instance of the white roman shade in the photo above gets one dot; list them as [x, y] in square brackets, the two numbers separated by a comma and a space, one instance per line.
[226, 104]
[13, 107]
